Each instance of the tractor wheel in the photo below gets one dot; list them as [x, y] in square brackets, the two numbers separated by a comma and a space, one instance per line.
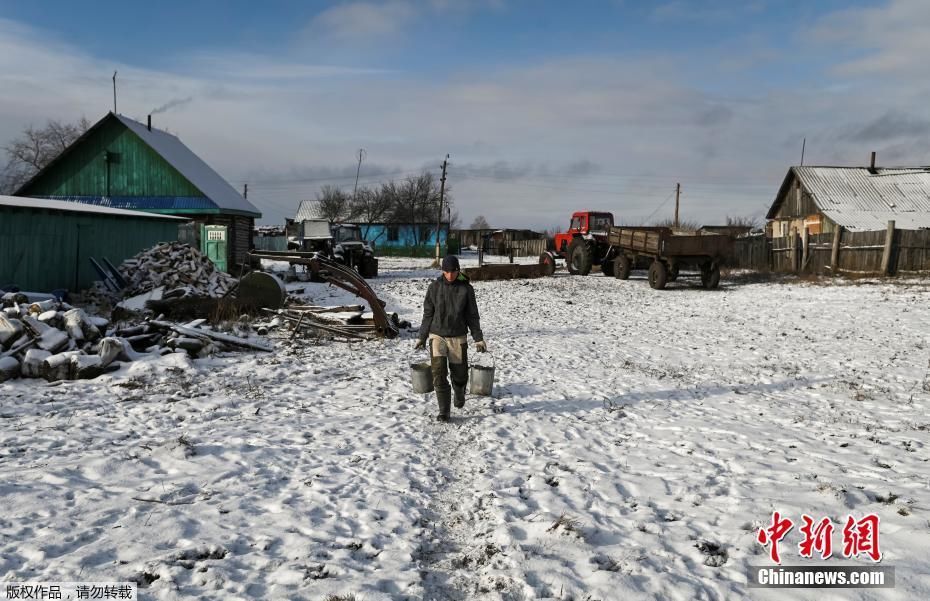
[579, 257]
[658, 275]
[673, 272]
[622, 267]
[710, 276]
[368, 267]
[548, 261]
[607, 268]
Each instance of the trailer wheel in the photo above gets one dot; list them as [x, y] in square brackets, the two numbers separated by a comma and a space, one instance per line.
[548, 263]
[579, 257]
[710, 276]
[622, 267]
[658, 275]
[608, 267]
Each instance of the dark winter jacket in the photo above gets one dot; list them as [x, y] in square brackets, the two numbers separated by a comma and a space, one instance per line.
[450, 309]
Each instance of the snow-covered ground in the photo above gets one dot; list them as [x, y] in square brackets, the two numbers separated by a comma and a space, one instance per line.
[635, 443]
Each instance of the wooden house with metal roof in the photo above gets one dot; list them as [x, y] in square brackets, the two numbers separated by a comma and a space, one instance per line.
[858, 199]
[121, 163]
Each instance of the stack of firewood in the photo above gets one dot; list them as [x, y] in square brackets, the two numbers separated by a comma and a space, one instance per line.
[55, 341]
[180, 268]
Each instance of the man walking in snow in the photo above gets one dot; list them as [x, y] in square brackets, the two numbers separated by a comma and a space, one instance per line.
[449, 312]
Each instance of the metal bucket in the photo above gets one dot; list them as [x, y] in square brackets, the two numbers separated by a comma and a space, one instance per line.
[481, 378]
[421, 376]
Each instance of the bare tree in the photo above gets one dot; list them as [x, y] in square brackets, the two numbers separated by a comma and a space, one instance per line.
[683, 225]
[416, 203]
[35, 149]
[750, 221]
[480, 223]
[455, 221]
[332, 204]
[371, 206]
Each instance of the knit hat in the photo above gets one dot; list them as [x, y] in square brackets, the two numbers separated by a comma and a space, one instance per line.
[450, 263]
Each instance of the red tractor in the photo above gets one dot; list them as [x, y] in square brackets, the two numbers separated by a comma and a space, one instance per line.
[584, 244]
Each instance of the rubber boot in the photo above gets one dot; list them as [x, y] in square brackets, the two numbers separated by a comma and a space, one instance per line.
[459, 372]
[441, 384]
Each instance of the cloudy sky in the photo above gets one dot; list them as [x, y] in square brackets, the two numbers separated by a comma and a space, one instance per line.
[544, 107]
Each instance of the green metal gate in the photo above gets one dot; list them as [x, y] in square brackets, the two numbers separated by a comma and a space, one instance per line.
[213, 243]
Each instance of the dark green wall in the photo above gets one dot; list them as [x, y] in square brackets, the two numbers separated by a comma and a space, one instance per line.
[134, 170]
[41, 250]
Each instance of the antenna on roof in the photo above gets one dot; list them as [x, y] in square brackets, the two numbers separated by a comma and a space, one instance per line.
[114, 92]
[803, 145]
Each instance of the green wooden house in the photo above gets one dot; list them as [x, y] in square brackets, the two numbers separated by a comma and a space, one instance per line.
[123, 164]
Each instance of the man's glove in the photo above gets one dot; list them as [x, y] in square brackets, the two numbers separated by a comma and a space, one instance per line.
[421, 344]
[481, 347]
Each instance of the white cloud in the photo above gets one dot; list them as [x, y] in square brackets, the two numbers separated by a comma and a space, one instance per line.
[528, 143]
[363, 22]
[887, 40]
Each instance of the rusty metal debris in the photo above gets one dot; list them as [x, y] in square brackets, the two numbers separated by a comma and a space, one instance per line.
[344, 277]
[506, 271]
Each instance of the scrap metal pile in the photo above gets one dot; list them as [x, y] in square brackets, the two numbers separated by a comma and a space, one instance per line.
[349, 322]
[53, 340]
[355, 325]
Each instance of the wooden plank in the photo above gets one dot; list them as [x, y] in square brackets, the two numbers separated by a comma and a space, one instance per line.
[835, 252]
[886, 254]
[805, 248]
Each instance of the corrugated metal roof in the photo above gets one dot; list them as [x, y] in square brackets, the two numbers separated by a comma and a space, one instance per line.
[858, 199]
[192, 167]
[144, 203]
[77, 207]
[308, 209]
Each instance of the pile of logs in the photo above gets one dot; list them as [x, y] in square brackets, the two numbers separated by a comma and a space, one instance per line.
[55, 341]
[348, 321]
[179, 268]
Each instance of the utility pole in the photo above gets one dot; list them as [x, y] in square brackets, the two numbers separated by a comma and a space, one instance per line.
[677, 196]
[361, 155]
[114, 92]
[245, 191]
[442, 193]
[803, 145]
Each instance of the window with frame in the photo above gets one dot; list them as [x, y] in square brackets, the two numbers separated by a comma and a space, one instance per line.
[393, 233]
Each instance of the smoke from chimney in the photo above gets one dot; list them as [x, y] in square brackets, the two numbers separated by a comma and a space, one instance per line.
[176, 102]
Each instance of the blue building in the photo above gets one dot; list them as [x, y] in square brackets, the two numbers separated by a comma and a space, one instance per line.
[387, 238]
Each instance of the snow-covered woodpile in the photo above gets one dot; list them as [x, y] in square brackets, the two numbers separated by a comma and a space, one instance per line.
[180, 268]
[53, 340]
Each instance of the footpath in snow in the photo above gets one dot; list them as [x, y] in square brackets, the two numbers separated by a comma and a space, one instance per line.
[635, 444]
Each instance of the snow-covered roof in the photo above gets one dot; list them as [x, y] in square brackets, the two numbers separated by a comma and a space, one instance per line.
[308, 209]
[864, 199]
[192, 167]
[77, 207]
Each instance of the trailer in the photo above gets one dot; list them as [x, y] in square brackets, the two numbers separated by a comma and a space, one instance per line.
[666, 253]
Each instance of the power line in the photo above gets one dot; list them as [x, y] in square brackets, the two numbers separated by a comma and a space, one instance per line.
[668, 179]
[293, 186]
[667, 198]
[527, 185]
[297, 180]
